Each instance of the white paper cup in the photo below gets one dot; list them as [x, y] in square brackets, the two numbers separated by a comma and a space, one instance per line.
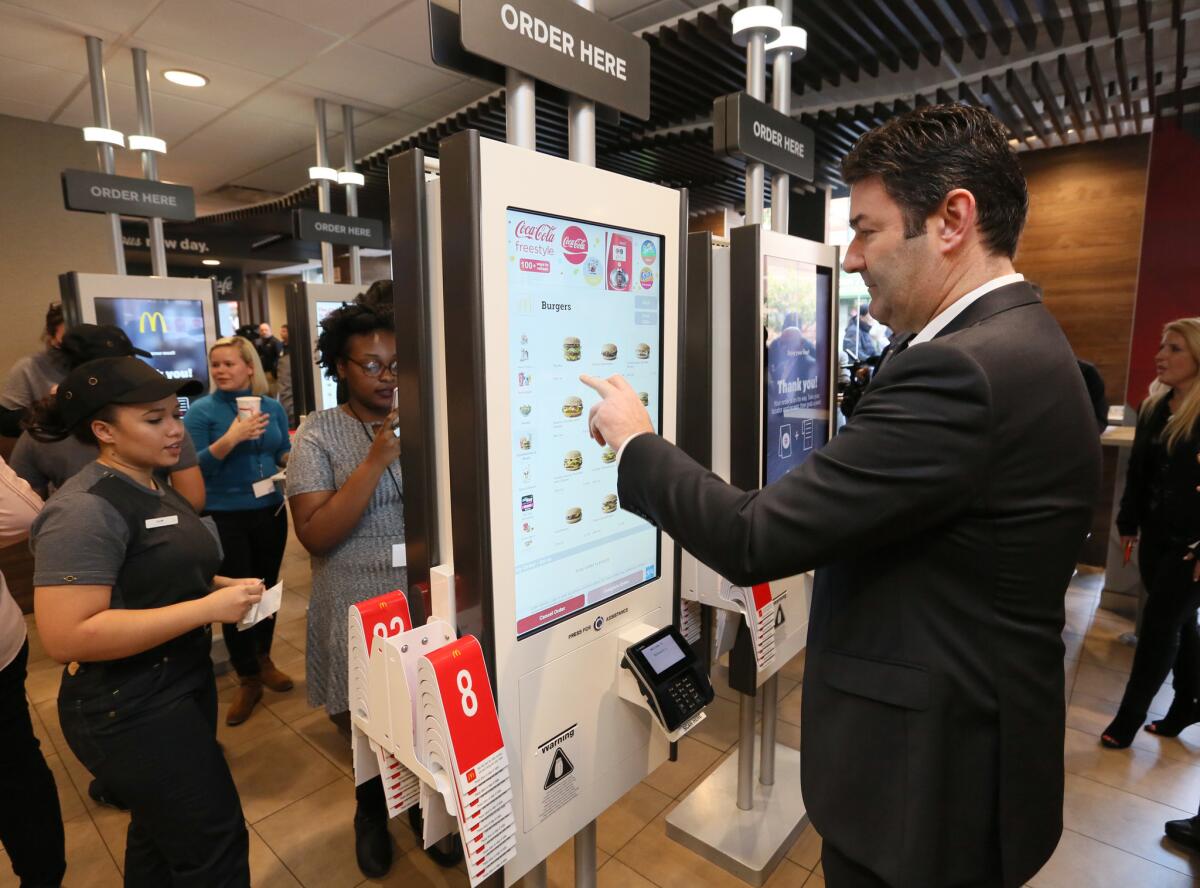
[248, 406]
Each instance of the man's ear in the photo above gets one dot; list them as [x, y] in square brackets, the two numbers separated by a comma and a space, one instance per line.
[954, 220]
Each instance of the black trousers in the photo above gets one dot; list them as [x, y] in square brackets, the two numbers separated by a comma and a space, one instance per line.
[842, 872]
[1169, 640]
[253, 542]
[31, 828]
[157, 751]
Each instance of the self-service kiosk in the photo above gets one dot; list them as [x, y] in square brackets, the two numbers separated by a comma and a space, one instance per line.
[771, 301]
[174, 319]
[521, 272]
[307, 306]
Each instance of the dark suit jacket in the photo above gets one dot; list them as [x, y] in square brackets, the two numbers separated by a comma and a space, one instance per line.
[945, 519]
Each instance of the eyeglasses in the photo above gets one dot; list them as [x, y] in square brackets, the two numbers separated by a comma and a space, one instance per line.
[374, 369]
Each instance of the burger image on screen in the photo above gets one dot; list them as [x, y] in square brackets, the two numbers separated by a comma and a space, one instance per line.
[644, 397]
[525, 443]
[608, 351]
[572, 407]
[609, 503]
[525, 408]
[571, 348]
[573, 461]
[574, 515]
[642, 351]
[608, 455]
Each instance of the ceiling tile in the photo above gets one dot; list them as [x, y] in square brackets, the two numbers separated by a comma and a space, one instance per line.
[375, 77]
[438, 105]
[293, 102]
[117, 16]
[32, 37]
[174, 118]
[337, 18]
[227, 84]
[25, 82]
[229, 32]
[381, 131]
[28, 110]
[282, 175]
[233, 145]
[404, 33]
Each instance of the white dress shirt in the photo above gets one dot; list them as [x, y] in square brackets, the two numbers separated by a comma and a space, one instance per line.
[941, 321]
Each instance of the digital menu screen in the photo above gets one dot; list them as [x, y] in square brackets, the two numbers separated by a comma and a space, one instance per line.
[796, 297]
[583, 298]
[172, 330]
[329, 386]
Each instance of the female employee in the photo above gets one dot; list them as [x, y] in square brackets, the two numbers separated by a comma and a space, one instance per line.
[1160, 512]
[345, 492]
[34, 376]
[125, 590]
[238, 455]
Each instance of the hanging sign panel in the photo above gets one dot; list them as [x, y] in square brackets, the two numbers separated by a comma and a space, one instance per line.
[354, 231]
[105, 193]
[745, 126]
[565, 45]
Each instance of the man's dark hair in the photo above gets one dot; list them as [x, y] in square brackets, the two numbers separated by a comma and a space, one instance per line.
[925, 154]
[352, 319]
[864, 310]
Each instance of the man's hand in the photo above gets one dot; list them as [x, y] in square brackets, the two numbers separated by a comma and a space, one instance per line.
[619, 416]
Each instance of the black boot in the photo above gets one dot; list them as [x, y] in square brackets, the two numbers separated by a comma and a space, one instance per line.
[1121, 730]
[447, 853]
[1183, 714]
[1185, 832]
[372, 846]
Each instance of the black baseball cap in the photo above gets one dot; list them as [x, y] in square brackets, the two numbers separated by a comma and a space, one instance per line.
[87, 342]
[94, 385]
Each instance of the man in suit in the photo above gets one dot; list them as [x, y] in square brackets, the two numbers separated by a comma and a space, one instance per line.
[944, 519]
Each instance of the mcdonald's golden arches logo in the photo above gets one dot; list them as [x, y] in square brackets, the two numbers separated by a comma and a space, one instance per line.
[156, 320]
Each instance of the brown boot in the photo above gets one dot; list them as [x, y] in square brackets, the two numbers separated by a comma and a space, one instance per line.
[271, 676]
[248, 695]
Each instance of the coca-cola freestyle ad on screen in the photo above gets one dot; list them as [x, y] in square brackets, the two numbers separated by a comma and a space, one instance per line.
[583, 298]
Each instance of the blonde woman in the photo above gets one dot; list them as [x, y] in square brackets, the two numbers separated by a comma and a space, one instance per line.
[238, 455]
[1160, 513]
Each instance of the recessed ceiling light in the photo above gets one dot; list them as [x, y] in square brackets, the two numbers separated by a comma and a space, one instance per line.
[210, 261]
[185, 78]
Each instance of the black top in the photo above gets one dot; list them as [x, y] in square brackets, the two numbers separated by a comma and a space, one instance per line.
[1160, 486]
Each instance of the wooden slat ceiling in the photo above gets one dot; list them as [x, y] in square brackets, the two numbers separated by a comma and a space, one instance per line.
[1054, 71]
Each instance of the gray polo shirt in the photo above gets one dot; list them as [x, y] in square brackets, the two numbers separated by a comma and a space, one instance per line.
[48, 466]
[32, 377]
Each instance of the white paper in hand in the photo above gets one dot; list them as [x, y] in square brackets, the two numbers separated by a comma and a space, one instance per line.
[267, 606]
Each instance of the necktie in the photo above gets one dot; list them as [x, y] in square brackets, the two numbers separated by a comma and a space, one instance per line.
[895, 347]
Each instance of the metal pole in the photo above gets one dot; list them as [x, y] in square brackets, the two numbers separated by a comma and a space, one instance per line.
[745, 786]
[351, 190]
[585, 856]
[770, 719]
[323, 187]
[520, 96]
[581, 120]
[95, 55]
[141, 87]
[781, 84]
[536, 877]
[756, 87]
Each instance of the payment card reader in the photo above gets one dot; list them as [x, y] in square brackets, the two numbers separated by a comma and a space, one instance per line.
[671, 679]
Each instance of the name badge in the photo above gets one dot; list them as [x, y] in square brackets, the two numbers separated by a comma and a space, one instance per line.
[399, 555]
[165, 521]
[262, 488]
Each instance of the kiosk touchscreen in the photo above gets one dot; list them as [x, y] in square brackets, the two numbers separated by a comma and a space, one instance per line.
[308, 305]
[551, 270]
[172, 318]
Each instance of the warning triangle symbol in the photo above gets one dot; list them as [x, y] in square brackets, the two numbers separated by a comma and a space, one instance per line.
[560, 767]
[780, 619]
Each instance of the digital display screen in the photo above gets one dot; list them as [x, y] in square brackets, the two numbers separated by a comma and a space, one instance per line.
[663, 654]
[328, 386]
[796, 297]
[172, 330]
[228, 319]
[583, 298]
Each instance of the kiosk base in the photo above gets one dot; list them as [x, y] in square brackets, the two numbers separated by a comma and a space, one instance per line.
[748, 844]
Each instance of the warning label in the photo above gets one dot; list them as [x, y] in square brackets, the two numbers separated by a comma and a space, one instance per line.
[561, 782]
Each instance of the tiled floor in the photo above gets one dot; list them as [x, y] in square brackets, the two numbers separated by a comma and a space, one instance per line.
[293, 772]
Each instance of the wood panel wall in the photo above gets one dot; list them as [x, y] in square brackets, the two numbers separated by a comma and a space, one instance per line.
[1082, 243]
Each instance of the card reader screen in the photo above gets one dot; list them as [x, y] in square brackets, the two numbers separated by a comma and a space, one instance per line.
[663, 654]
[796, 362]
[583, 298]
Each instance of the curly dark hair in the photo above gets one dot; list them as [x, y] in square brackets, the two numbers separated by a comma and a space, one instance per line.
[45, 423]
[352, 319]
[54, 317]
[925, 154]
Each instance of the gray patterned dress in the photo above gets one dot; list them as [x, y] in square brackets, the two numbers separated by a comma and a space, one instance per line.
[329, 446]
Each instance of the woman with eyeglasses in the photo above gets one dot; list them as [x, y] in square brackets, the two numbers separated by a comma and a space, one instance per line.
[347, 502]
